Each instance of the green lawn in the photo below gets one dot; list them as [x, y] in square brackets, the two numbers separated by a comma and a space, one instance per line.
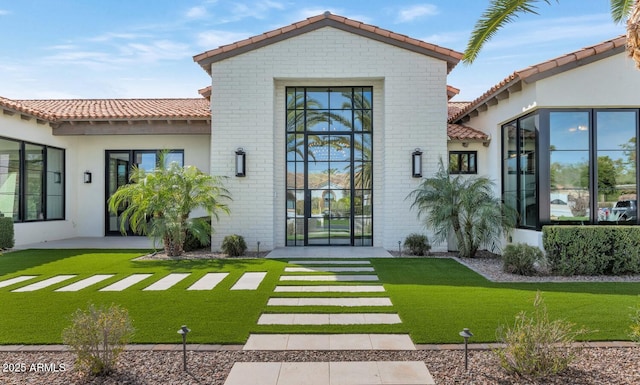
[435, 298]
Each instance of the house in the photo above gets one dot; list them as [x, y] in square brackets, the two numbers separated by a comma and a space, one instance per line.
[336, 121]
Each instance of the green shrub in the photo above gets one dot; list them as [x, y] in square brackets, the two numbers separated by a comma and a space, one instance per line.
[535, 345]
[97, 336]
[192, 241]
[521, 258]
[6, 233]
[234, 245]
[592, 250]
[417, 244]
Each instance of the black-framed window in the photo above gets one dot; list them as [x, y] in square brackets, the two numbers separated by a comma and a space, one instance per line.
[463, 162]
[587, 171]
[32, 180]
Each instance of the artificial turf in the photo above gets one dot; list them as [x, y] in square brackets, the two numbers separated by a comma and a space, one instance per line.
[435, 299]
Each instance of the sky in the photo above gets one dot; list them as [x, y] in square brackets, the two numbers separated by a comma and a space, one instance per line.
[69, 49]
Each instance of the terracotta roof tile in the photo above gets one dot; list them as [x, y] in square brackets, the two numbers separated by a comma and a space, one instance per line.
[462, 132]
[119, 109]
[451, 56]
[554, 65]
[17, 106]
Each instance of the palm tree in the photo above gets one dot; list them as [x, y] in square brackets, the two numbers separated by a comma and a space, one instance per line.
[464, 205]
[501, 12]
[158, 203]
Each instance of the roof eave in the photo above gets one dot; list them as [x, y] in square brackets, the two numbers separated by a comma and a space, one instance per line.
[452, 58]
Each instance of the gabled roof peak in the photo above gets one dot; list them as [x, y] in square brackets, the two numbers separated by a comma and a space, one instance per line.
[327, 19]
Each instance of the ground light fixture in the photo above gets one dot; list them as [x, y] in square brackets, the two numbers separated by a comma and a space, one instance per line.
[184, 330]
[416, 163]
[241, 162]
[87, 176]
[466, 334]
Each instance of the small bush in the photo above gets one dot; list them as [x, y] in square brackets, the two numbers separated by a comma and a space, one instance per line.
[417, 244]
[535, 345]
[234, 245]
[6, 232]
[521, 259]
[193, 240]
[635, 326]
[97, 336]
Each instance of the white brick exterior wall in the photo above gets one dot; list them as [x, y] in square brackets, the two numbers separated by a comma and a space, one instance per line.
[248, 111]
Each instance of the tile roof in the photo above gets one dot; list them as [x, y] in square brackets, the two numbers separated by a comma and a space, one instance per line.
[452, 91]
[548, 68]
[460, 132]
[56, 110]
[327, 19]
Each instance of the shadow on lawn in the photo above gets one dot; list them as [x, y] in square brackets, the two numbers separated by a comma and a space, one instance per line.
[189, 264]
[25, 259]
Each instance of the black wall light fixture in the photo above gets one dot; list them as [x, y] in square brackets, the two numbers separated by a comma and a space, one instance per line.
[416, 163]
[87, 177]
[241, 163]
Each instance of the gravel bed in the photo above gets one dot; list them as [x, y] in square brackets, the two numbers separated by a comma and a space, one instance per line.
[601, 366]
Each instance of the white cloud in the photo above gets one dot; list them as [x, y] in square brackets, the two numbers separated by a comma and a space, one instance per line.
[198, 12]
[415, 12]
[109, 36]
[255, 10]
[215, 38]
[4, 12]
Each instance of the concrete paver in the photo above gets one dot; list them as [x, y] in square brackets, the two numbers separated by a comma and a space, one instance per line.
[318, 301]
[167, 282]
[84, 283]
[324, 262]
[45, 283]
[328, 319]
[329, 342]
[126, 282]
[330, 373]
[330, 289]
[328, 269]
[249, 281]
[15, 280]
[208, 281]
[331, 278]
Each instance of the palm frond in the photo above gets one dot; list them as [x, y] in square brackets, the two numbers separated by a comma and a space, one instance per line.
[497, 15]
[621, 9]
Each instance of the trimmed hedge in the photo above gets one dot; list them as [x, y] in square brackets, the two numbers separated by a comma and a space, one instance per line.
[592, 250]
[6, 233]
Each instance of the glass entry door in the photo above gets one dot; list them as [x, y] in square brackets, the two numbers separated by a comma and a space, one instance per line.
[329, 166]
[119, 164]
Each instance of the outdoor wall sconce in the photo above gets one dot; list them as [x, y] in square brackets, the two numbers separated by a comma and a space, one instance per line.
[87, 177]
[416, 160]
[241, 162]
[57, 177]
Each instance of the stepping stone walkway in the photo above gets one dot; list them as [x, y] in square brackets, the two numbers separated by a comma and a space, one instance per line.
[167, 282]
[86, 282]
[329, 373]
[330, 289]
[329, 342]
[208, 282]
[43, 284]
[332, 278]
[127, 282]
[346, 302]
[249, 281]
[327, 269]
[19, 279]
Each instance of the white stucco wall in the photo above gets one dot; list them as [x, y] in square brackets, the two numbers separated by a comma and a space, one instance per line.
[248, 111]
[85, 203]
[608, 83]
